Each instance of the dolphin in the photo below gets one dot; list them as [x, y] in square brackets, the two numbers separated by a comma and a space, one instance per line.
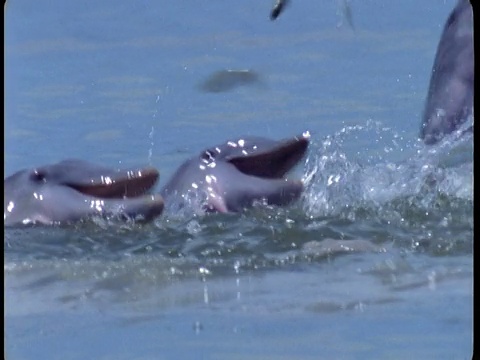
[449, 101]
[72, 190]
[234, 175]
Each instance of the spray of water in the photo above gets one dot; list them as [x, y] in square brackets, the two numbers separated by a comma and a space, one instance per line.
[337, 180]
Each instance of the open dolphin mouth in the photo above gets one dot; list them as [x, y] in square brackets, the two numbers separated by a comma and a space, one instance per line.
[124, 193]
[125, 184]
[272, 163]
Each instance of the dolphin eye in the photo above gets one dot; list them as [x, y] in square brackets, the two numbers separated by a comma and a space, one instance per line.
[37, 176]
[208, 155]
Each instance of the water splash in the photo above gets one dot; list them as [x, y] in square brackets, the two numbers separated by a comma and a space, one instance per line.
[152, 143]
[424, 201]
[152, 133]
[337, 181]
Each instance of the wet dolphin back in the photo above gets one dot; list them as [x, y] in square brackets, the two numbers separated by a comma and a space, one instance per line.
[450, 96]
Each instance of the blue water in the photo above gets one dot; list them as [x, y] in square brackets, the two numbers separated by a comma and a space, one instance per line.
[375, 260]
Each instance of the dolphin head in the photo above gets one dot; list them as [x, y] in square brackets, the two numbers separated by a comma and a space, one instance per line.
[74, 189]
[449, 101]
[237, 173]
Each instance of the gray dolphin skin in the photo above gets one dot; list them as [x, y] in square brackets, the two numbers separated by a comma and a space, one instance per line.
[72, 190]
[449, 100]
[236, 174]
